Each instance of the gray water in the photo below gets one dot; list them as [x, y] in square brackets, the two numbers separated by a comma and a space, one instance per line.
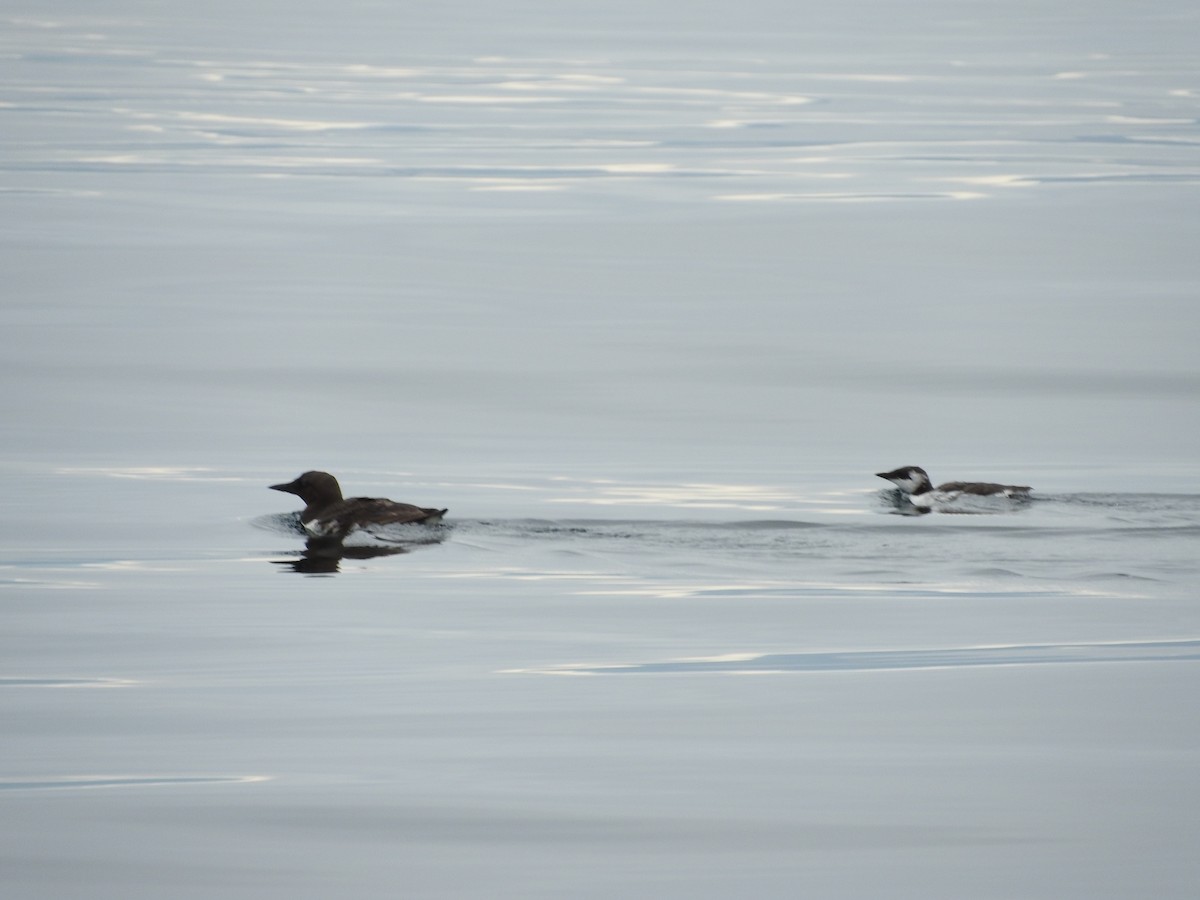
[644, 293]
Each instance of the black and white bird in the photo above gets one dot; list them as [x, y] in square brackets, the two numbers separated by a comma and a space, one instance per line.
[328, 515]
[914, 483]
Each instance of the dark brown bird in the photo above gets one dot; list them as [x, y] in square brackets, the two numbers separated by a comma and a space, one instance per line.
[328, 514]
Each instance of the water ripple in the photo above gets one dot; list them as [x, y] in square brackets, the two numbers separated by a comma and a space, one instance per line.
[77, 782]
[13, 681]
[876, 660]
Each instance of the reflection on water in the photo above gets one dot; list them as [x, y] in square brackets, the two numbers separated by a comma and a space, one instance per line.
[79, 782]
[151, 473]
[323, 556]
[955, 657]
[601, 492]
[507, 123]
[7, 681]
[898, 503]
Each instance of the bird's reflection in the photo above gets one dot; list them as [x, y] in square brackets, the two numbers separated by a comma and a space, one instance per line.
[323, 556]
[898, 504]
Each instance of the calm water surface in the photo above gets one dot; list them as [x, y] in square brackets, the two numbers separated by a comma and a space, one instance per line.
[644, 295]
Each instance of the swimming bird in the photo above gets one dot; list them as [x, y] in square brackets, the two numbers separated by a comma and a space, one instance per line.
[913, 481]
[328, 515]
